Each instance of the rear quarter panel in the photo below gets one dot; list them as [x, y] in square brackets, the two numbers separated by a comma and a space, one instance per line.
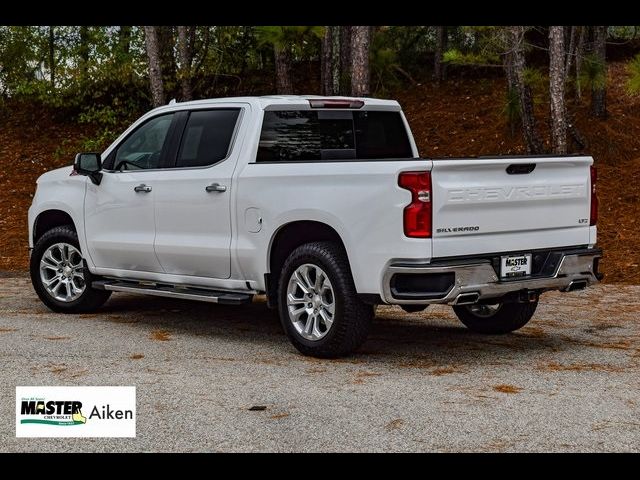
[360, 200]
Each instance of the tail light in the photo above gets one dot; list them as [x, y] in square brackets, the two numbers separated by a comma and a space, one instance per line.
[417, 215]
[594, 196]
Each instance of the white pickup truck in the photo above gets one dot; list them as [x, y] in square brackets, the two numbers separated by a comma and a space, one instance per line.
[322, 204]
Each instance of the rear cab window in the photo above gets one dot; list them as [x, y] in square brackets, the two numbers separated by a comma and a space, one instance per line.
[332, 135]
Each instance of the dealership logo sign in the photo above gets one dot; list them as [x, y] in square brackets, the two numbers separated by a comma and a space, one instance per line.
[75, 411]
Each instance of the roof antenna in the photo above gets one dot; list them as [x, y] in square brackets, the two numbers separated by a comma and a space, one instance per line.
[172, 101]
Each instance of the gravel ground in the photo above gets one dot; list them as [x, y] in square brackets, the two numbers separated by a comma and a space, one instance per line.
[570, 381]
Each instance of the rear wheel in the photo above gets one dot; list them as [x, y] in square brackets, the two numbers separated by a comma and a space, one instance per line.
[319, 308]
[58, 274]
[498, 318]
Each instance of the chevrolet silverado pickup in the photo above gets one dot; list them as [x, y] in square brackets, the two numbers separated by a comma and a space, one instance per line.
[321, 204]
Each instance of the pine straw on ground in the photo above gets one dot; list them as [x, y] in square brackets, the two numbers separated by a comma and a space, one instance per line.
[32, 142]
[460, 118]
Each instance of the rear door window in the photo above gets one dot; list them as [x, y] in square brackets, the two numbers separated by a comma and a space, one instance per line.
[327, 135]
[207, 137]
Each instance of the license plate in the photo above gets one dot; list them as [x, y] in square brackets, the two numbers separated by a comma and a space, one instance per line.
[515, 266]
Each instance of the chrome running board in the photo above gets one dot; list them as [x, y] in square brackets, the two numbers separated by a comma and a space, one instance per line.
[171, 291]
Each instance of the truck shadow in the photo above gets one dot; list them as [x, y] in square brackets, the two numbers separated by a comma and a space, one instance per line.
[394, 337]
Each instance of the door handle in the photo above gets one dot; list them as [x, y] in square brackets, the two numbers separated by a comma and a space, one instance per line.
[142, 188]
[215, 187]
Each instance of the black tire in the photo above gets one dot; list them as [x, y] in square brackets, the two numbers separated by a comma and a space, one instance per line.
[352, 317]
[89, 300]
[508, 318]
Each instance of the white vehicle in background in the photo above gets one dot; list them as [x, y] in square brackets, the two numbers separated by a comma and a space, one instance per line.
[322, 204]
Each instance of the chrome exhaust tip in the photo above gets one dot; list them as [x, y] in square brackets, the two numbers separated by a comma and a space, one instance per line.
[467, 298]
[576, 285]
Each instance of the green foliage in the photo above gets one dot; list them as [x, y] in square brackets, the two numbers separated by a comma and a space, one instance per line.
[99, 74]
[534, 78]
[593, 73]
[477, 46]
[511, 109]
[456, 57]
[295, 38]
[383, 64]
[633, 84]
[100, 115]
[412, 46]
[627, 32]
[100, 141]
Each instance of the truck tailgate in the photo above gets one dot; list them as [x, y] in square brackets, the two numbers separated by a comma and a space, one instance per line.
[501, 204]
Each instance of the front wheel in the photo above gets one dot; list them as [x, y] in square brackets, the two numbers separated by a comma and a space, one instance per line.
[319, 307]
[58, 274]
[495, 319]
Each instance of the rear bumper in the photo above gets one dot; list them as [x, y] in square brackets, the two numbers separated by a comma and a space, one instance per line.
[472, 279]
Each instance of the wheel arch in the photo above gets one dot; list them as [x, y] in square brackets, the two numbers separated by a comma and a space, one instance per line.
[51, 218]
[285, 240]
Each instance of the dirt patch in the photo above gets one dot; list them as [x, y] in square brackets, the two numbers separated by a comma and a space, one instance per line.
[56, 338]
[269, 361]
[438, 372]
[160, 335]
[121, 319]
[136, 356]
[221, 359]
[7, 330]
[316, 370]
[57, 368]
[610, 344]
[78, 373]
[279, 416]
[579, 367]
[532, 332]
[394, 425]
[417, 362]
[505, 388]
[363, 375]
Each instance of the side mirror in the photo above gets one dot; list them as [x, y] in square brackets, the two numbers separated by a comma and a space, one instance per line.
[89, 164]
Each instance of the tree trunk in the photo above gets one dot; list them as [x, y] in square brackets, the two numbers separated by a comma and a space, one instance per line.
[124, 39]
[283, 69]
[599, 89]
[185, 57]
[360, 41]
[83, 51]
[507, 63]
[556, 89]
[579, 54]
[155, 68]
[326, 83]
[571, 52]
[345, 59]
[441, 46]
[335, 60]
[166, 46]
[529, 130]
[52, 57]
